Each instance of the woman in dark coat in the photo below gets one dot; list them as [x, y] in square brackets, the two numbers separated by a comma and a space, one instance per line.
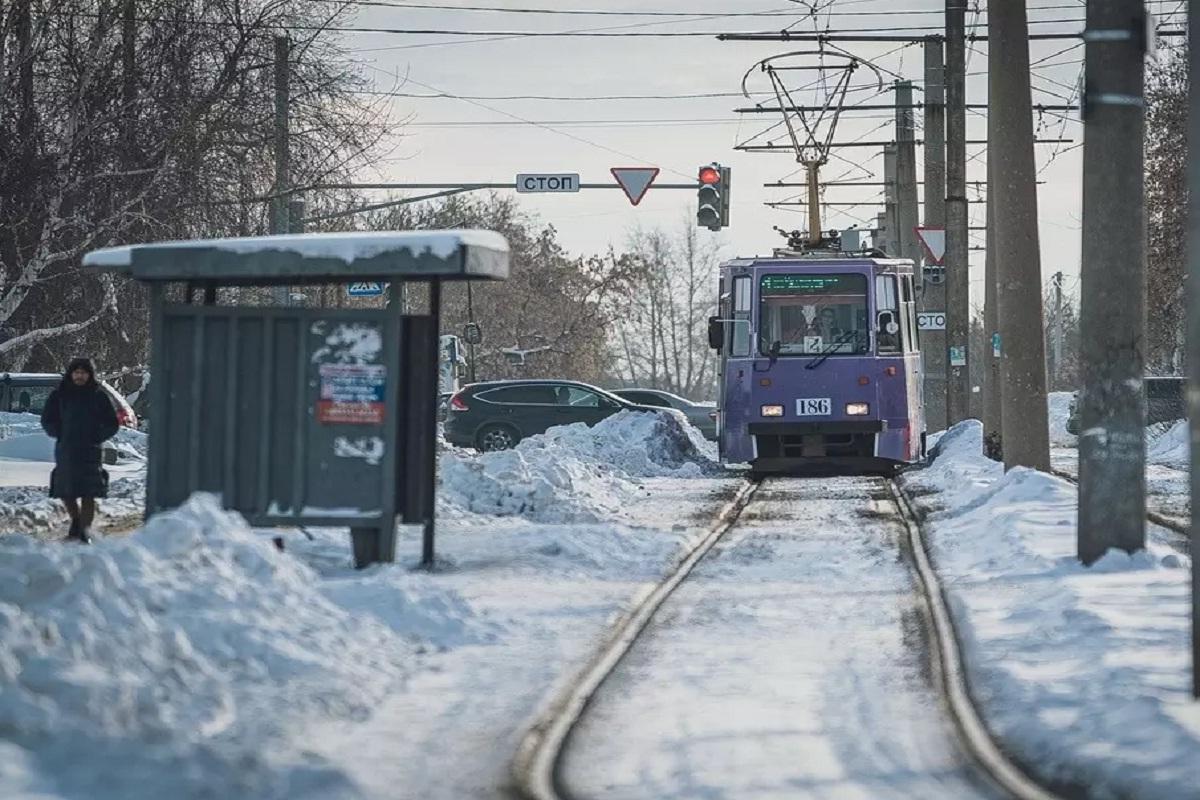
[80, 417]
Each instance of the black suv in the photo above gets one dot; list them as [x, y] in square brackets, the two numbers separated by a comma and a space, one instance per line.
[498, 414]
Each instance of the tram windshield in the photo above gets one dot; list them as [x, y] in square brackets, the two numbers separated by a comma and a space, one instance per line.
[806, 314]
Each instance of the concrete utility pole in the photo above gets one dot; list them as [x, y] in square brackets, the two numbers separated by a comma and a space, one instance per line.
[958, 287]
[1193, 318]
[891, 201]
[933, 292]
[907, 211]
[1112, 406]
[1018, 262]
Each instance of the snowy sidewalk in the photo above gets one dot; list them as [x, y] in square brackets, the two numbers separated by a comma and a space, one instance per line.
[192, 659]
[1083, 674]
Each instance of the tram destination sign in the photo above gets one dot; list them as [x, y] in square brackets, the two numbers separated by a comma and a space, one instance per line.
[813, 284]
[540, 182]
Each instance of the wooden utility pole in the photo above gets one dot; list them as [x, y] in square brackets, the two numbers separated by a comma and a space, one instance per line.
[1112, 407]
[933, 286]
[958, 286]
[1193, 318]
[1018, 261]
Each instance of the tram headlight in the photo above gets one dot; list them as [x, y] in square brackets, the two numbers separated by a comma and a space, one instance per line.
[858, 409]
[772, 411]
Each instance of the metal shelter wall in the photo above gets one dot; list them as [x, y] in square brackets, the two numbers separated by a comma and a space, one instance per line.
[289, 414]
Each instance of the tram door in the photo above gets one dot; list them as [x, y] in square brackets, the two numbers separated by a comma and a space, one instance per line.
[723, 310]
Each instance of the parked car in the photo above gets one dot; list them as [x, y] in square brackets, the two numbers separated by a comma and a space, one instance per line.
[1166, 401]
[28, 392]
[702, 415]
[498, 414]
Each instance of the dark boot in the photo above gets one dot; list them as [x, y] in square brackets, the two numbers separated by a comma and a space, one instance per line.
[73, 533]
[85, 535]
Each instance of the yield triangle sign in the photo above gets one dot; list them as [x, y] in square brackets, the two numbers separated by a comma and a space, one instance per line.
[635, 181]
[934, 242]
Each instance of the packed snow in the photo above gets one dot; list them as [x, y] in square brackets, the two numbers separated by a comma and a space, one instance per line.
[1059, 407]
[1081, 672]
[344, 246]
[573, 472]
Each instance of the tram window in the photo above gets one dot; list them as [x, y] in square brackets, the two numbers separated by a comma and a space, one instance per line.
[739, 329]
[806, 314]
[910, 314]
[886, 301]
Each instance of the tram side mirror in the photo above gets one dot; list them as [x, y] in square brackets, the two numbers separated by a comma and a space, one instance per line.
[716, 333]
[885, 322]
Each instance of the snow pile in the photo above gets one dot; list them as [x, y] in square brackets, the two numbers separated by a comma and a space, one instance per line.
[24, 509]
[1173, 448]
[1081, 672]
[13, 424]
[573, 472]
[640, 444]
[177, 662]
[28, 447]
[1059, 408]
[22, 437]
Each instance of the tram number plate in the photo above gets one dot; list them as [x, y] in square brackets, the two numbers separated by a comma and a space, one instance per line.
[813, 407]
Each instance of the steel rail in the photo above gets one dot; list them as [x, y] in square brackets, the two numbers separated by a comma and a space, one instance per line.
[950, 674]
[536, 767]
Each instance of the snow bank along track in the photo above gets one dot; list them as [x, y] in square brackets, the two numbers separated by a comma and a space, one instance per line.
[1181, 541]
[538, 768]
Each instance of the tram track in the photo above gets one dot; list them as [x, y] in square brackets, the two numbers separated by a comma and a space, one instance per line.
[539, 771]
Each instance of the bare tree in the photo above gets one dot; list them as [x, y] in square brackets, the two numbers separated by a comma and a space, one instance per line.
[660, 337]
[121, 128]
[1166, 209]
[555, 304]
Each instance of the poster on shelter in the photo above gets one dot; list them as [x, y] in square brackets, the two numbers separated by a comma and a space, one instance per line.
[352, 394]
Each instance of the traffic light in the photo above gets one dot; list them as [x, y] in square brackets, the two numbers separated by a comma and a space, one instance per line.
[713, 197]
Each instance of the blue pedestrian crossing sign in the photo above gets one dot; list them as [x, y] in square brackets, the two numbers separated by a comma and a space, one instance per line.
[365, 289]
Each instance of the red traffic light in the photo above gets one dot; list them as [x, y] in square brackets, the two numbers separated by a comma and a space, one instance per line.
[710, 175]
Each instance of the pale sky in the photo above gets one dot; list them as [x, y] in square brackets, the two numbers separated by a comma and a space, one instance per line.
[452, 140]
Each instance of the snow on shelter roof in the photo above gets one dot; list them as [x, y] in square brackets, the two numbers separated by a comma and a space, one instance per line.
[314, 257]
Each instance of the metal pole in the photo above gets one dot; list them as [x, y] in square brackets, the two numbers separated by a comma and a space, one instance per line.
[814, 201]
[933, 292]
[1018, 261]
[279, 207]
[993, 431]
[470, 345]
[958, 288]
[1112, 412]
[1058, 330]
[430, 487]
[1193, 318]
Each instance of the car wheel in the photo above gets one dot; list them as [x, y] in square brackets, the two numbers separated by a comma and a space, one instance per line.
[496, 437]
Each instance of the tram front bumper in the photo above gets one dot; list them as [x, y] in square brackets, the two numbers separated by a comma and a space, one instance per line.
[781, 446]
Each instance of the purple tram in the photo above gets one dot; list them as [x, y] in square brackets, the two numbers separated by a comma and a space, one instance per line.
[819, 364]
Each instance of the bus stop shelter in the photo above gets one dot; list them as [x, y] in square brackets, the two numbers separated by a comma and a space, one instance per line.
[300, 416]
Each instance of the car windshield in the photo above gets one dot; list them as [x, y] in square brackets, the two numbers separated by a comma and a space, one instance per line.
[809, 315]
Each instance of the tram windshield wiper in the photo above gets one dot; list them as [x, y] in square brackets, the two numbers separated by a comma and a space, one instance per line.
[828, 351]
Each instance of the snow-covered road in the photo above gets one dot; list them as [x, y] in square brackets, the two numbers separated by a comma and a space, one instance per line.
[792, 663]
